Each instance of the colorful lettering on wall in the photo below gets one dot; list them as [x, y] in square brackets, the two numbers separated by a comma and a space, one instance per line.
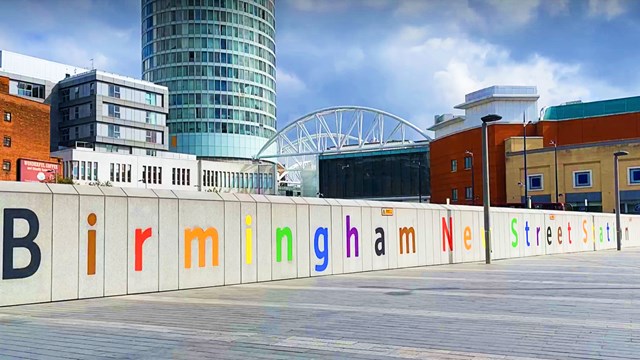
[379, 245]
[26, 242]
[91, 245]
[140, 237]
[321, 254]
[281, 233]
[351, 232]
[466, 238]
[404, 234]
[248, 239]
[201, 236]
[447, 234]
[526, 233]
[514, 231]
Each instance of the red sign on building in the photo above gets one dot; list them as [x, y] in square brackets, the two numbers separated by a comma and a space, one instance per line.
[37, 171]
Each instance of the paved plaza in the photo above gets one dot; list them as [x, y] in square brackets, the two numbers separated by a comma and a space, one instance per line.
[574, 306]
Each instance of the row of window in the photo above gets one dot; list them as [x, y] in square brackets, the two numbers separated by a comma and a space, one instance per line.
[236, 180]
[216, 99]
[149, 6]
[81, 131]
[180, 30]
[160, 46]
[162, 74]
[31, 90]
[115, 132]
[127, 113]
[220, 128]
[221, 113]
[120, 172]
[151, 174]
[468, 163]
[77, 92]
[260, 20]
[468, 194]
[81, 170]
[76, 112]
[144, 97]
[175, 58]
[181, 176]
[178, 86]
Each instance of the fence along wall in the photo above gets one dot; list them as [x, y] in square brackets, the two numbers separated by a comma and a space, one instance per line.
[62, 242]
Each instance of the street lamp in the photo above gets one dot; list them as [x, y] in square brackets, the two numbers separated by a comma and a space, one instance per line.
[555, 154]
[616, 155]
[526, 176]
[485, 183]
[473, 181]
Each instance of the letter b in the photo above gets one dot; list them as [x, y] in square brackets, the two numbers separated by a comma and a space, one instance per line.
[11, 242]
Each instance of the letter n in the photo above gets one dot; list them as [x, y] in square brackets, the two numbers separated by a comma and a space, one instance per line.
[11, 242]
[447, 234]
[280, 233]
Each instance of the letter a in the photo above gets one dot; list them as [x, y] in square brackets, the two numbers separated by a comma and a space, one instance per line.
[11, 242]
[380, 247]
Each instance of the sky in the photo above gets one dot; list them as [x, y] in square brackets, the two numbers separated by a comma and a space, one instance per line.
[412, 58]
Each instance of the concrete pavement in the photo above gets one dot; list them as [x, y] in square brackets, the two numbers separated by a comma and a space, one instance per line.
[573, 306]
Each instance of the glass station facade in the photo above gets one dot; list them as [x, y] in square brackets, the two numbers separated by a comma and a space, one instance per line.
[401, 175]
[217, 57]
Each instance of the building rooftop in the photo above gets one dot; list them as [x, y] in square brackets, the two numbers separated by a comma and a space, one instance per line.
[103, 75]
[493, 93]
[579, 110]
[33, 67]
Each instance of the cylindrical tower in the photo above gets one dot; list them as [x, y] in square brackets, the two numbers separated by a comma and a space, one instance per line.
[217, 57]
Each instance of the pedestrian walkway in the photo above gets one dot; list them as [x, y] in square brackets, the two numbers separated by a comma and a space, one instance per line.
[572, 306]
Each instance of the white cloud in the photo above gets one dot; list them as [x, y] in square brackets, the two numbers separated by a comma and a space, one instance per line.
[325, 6]
[350, 59]
[513, 12]
[289, 83]
[608, 9]
[426, 72]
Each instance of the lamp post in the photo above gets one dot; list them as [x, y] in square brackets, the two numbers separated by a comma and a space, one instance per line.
[555, 155]
[473, 180]
[485, 183]
[526, 176]
[616, 155]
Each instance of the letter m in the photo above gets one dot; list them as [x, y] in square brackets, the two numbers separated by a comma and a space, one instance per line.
[202, 236]
[10, 242]
[407, 233]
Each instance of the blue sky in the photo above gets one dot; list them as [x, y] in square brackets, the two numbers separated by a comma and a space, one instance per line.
[413, 58]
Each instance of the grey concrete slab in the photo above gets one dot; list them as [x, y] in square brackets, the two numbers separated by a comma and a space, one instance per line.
[572, 306]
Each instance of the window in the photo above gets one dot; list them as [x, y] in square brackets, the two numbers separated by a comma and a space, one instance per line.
[468, 162]
[582, 179]
[7, 141]
[6, 165]
[454, 194]
[128, 173]
[634, 176]
[83, 170]
[112, 174]
[118, 172]
[114, 91]
[89, 170]
[454, 165]
[114, 131]
[65, 95]
[468, 193]
[535, 182]
[65, 114]
[92, 88]
[7, 116]
[95, 171]
[113, 111]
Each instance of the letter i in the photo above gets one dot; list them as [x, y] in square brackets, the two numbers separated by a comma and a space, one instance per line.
[248, 235]
[91, 245]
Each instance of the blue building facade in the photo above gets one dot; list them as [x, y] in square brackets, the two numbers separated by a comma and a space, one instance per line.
[217, 57]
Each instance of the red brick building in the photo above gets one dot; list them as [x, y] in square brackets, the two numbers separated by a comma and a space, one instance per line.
[24, 129]
[572, 124]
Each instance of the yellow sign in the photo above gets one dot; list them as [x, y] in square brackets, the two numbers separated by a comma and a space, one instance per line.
[387, 212]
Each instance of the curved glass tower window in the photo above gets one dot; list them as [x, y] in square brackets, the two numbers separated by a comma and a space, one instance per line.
[217, 57]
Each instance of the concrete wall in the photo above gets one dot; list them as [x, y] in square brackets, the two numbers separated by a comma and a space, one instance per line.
[62, 242]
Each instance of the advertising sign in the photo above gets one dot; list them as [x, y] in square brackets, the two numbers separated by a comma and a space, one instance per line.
[37, 171]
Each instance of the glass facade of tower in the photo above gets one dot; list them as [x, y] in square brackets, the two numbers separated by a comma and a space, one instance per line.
[217, 57]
